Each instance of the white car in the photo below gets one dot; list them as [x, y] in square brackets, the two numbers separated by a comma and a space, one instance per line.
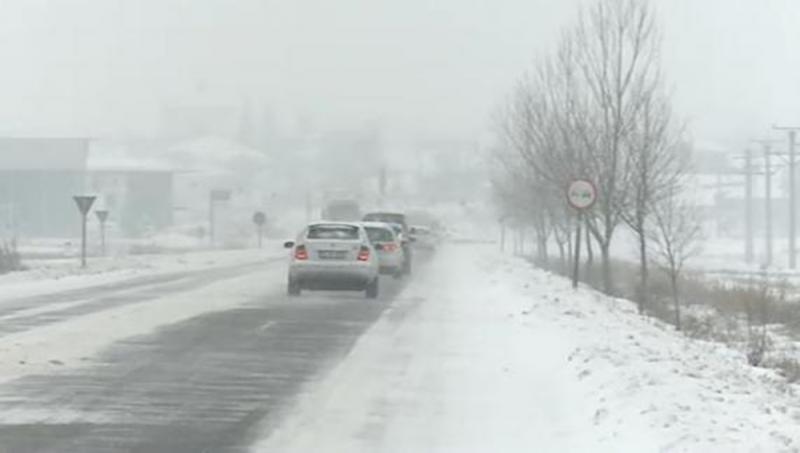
[391, 254]
[333, 255]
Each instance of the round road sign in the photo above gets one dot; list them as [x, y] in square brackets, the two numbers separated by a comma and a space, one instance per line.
[259, 218]
[581, 194]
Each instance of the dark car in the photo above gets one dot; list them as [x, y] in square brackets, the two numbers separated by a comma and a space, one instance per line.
[387, 217]
[342, 211]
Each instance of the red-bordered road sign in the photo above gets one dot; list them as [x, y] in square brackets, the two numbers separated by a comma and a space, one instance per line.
[581, 194]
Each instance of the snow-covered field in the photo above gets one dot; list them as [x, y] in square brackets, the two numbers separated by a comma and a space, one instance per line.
[483, 353]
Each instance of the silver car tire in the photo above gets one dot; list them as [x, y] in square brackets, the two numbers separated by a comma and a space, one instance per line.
[372, 289]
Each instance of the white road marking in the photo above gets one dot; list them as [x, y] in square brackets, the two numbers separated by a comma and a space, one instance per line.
[266, 326]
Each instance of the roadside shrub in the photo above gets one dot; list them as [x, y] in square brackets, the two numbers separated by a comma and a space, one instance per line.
[788, 367]
[148, 249]
[10, 259]
[738, 311]
[701, 327]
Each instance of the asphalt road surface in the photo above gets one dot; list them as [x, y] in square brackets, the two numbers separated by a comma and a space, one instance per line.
[206, 384]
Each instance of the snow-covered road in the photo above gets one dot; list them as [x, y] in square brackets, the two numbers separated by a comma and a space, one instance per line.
[475, 352]
[484, 354]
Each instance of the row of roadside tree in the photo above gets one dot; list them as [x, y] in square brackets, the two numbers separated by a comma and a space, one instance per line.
[596, 108]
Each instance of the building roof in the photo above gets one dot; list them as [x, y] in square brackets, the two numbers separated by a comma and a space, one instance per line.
[50, 153]
[213, 152]
[116, 157]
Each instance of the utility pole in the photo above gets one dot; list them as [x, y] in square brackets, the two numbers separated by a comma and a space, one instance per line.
[792, 191]
[748, 206]
[767, 149]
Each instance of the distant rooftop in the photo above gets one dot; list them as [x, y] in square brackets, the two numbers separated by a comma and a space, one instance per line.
[48, 153]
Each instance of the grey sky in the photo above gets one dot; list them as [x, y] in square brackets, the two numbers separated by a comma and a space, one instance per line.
[435, 68]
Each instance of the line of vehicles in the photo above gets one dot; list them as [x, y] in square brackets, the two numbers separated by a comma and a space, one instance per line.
[343, 254]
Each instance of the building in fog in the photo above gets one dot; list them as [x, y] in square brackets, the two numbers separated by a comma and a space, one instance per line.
[39, 176]
[137, 193]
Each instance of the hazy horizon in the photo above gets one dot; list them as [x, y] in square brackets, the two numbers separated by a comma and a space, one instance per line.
[112, 68]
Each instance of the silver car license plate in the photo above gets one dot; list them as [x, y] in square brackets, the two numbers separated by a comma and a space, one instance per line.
[332, 254]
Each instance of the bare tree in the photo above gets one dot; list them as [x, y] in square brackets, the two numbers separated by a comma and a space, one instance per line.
[656, 164]
[595, 110]
[675, 239]
[618, 56]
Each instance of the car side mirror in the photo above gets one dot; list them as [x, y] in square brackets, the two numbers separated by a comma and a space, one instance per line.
[378, 247]
[412, 239]
[288, 244]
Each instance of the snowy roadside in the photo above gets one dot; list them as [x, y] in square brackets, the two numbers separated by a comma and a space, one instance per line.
[50, 276]
[484, 353]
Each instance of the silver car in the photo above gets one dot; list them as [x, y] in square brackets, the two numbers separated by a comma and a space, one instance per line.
[391, 256]
[333, 255]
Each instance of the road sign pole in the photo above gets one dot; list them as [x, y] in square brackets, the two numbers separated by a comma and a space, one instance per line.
[103, 238]
[83, 240]
[84, 203]
[581, 195]
[211, 221]
[576, 265]
[102, 216]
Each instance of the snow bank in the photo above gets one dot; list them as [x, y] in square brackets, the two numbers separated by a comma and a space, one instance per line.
[483, 353]
[50, 276]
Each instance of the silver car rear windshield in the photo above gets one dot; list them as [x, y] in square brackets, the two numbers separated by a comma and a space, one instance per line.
[377, 234]
[332, 232]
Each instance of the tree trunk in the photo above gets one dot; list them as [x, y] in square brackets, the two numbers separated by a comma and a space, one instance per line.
[570, 254]
[589, 257]
[675, 298]
[643, 271]
[502, 237]
[608, 285]
[515, 236]
[561, 257]
[541, 249]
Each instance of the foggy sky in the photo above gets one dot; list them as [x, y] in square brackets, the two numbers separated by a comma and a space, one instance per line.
[431, 68]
